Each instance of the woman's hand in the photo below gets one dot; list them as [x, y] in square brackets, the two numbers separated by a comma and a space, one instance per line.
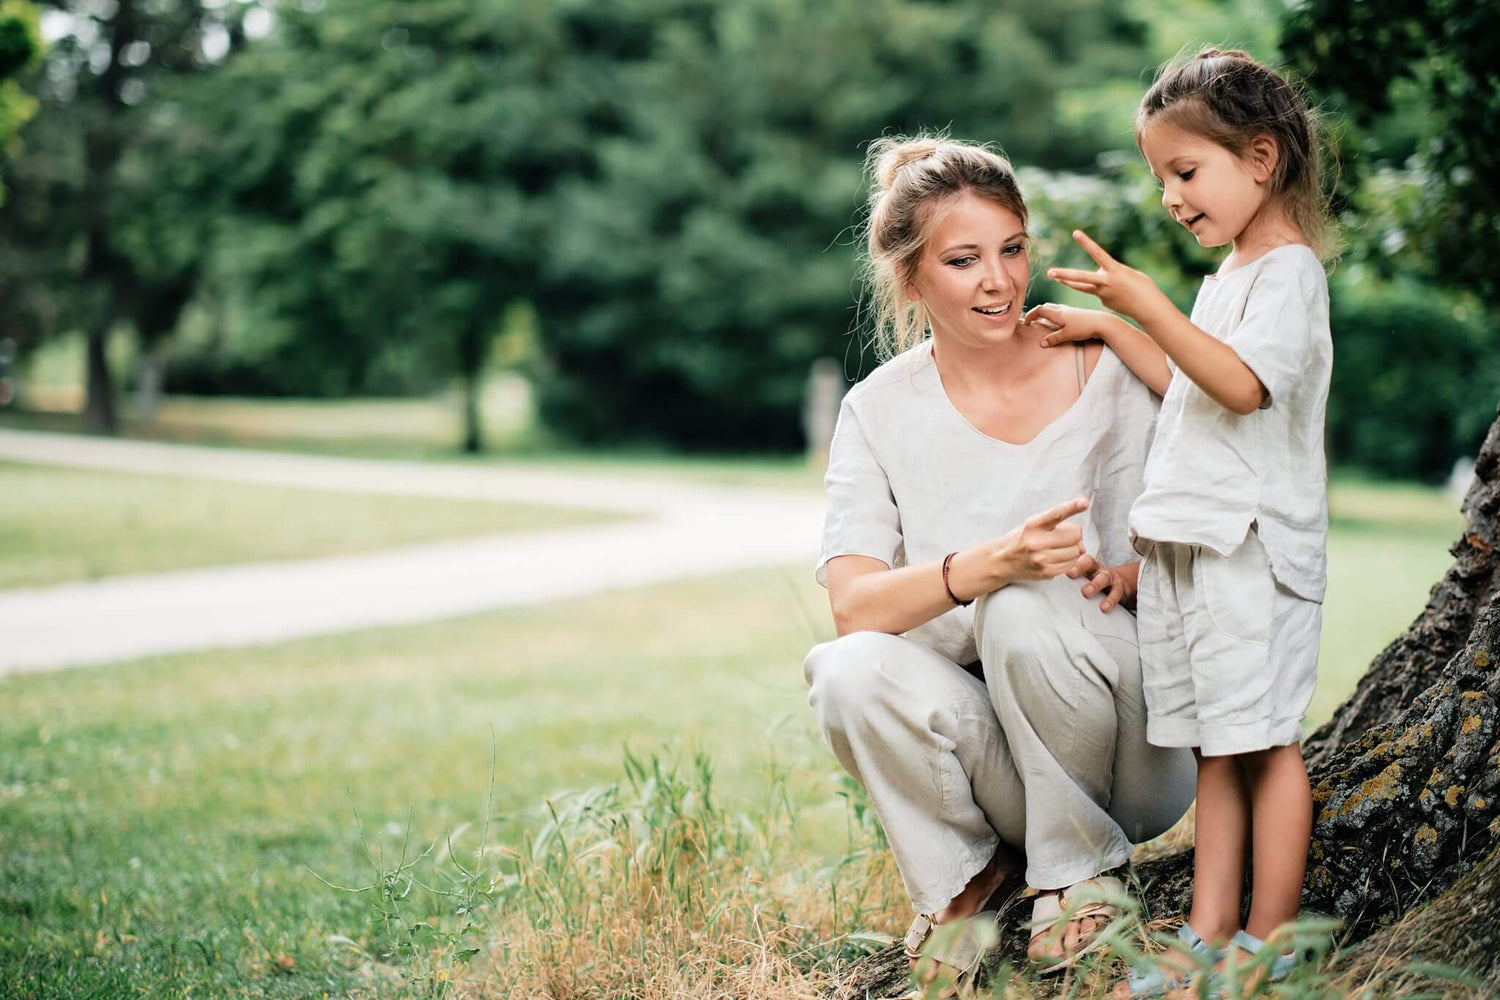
[1121, 288]
[1117, 583]
[1064, 324]
[1041, 548]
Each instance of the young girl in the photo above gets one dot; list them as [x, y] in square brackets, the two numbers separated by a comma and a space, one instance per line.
[1233, 520]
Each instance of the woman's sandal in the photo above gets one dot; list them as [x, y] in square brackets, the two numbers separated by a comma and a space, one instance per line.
[961, 945]
[1094, 897]
[1158, 980]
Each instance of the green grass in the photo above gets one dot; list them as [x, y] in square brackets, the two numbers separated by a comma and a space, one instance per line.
[1387, 546]
[58, 525]
[176, 800]
[264, 424]
[156, 816]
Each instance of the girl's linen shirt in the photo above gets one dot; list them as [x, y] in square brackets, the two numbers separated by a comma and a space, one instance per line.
[1213, 473]
[910, 480]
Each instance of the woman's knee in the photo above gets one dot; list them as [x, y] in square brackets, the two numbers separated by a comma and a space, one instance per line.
[844, 675]
[1013, 623]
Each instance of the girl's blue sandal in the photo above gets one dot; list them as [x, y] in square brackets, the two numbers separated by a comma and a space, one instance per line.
[1156, 982]
[1279, 967]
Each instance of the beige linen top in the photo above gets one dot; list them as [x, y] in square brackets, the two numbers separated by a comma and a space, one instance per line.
[1212, 472]
[910, 480]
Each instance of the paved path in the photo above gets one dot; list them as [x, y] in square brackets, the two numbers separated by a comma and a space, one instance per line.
[681, 530]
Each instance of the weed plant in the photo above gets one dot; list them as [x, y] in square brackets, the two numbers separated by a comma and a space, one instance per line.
[647, 888]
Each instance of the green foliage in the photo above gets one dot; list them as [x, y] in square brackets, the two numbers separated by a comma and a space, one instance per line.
[96, 235]
[691, 280]
[377, 178]
[1429, 66]
[20, 45]
[1416, 377]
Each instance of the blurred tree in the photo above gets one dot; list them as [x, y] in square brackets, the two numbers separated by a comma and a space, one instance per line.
[688, 284]
[1417, 376]
[382, 172]
[1427, 67]
[87, 222]
[20, 45]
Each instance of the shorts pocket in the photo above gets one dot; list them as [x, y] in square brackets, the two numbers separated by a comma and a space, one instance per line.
[1238, 590]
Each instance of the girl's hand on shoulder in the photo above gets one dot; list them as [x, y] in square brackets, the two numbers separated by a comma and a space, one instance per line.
[1064, 324]
[1121, 288]
[1116, 583]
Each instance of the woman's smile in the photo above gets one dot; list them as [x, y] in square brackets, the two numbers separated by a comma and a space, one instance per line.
[972, 278]
[994, 314]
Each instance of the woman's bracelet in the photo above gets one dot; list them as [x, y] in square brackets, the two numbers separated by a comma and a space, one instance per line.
[947, 559]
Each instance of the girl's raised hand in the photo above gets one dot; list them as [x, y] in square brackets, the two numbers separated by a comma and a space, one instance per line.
[1064, 324]
[1121, 288]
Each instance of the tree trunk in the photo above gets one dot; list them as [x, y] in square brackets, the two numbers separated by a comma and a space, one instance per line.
[1406, 786]
[473, 421]
[100, 406]
[473, 352]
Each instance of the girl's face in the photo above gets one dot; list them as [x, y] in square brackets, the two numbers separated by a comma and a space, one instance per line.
[973, 272]
[1205, 187]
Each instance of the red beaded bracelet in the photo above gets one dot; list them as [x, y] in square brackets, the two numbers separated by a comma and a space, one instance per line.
[951, 595]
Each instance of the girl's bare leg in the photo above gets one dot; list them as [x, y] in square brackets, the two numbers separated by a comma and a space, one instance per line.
[1220, 836]
[1281, 804]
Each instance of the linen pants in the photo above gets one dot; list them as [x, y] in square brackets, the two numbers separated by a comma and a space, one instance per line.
[1047, 752]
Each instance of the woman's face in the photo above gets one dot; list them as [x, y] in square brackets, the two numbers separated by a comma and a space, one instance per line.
[973, 272]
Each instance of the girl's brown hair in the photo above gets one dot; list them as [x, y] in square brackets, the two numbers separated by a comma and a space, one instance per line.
[912, 181]
[1227, 97]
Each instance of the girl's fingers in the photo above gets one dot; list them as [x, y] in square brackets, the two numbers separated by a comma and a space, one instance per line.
[1115, 595]
[1064, 336]
[1094, 250]
[1085, 565]
[1087, 287]
[1046, 311]
[1066, 274]
[1101, 581]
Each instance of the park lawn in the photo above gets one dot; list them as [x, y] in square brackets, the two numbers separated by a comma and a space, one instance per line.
[157, 818]
[417, 429]
[60, 525]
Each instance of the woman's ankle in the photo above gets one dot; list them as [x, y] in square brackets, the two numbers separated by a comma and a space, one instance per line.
[972, 897]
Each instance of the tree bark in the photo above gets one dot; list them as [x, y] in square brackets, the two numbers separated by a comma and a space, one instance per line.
[1406, 786]
[473, 420]
[100, 402]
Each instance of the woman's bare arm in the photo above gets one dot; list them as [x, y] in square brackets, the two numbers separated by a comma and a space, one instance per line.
[866, 595]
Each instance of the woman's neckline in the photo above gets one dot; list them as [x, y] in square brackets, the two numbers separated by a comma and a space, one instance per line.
[942, 390]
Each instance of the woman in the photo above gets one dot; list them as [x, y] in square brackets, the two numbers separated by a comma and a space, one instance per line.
[985, 689]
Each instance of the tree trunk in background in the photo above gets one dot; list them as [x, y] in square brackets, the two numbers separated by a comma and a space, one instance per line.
[473, 421]
[473, 352]
[148, 384]
[103, 271]
[100, 406]
[1406, 786]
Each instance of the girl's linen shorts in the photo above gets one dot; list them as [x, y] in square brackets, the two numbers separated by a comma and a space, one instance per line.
[1229, 657]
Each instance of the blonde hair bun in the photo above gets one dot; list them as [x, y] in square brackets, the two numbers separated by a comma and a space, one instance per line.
[891, 153]
[1212, 53]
